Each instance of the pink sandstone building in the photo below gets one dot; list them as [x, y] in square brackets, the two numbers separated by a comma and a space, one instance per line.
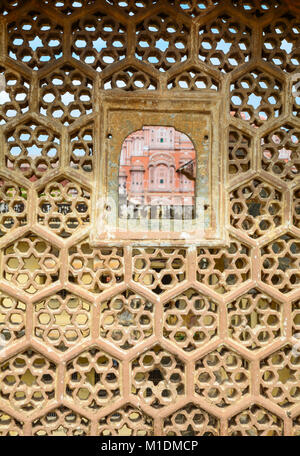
[152, 164]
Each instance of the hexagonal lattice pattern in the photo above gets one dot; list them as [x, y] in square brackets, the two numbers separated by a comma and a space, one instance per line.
[148, 339]
[162, 41]
[98, 40]
[93, 379]
[64, 206]
[130, 78]
[159, 269]
[62, 320]
[32, 149]
[254, 319]
[158, 377]
[9, 425]
[61, 421]
[280, 377]
[281, 43]
[222, 377]
[82, 148]
[191, 420]
[223, 270]
[66, 94]
[36, 40]
[15, 97]
[280, 152]
[255, 421]
[13, 205]
[280, 263]
[239, 152]
[131, 7]
[190, 320]
[12, 319]
[95, 269]
[194, 8]
[127, 421]
[256, 207]
[256, 8]
[30, 264]
[27, 381]
[225, 43]
[193, 78]
[256, 97]
[68, 7]
[126, 319]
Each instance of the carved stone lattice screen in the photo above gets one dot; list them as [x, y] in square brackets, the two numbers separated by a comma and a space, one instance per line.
[166, 339]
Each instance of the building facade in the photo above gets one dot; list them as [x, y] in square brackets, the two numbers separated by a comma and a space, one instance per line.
[151, 164]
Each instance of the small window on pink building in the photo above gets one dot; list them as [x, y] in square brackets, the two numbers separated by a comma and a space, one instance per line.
[157, 175]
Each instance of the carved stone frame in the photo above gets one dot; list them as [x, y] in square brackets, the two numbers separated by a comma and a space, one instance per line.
[196, 116]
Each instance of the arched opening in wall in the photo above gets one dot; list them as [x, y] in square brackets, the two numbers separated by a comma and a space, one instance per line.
[160, 174]
[157, 174]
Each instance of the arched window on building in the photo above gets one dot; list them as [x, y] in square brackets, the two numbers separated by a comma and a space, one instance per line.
[154, 173]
